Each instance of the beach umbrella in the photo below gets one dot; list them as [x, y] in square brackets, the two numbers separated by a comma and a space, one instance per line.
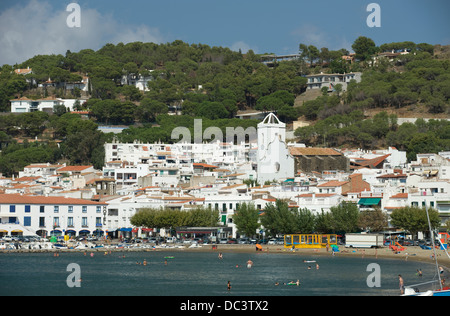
[258, 246]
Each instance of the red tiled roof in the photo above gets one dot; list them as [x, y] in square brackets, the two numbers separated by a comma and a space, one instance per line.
[400, 196]
[371, 163]
[333, 183]
[52, 200]
[312, 151]
[204, 165]
[74, 168]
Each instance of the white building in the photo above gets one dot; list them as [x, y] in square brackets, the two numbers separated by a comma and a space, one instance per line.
[47, 216]
[274, 159]
[318, 81]
[48, 104]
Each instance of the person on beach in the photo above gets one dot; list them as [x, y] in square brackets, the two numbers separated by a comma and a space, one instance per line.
[401, 284]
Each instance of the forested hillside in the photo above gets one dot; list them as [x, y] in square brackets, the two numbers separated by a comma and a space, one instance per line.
[214, 83]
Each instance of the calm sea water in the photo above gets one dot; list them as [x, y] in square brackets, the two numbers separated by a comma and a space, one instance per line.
[200, 274]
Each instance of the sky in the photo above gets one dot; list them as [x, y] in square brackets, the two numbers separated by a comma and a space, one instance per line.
[36, 27]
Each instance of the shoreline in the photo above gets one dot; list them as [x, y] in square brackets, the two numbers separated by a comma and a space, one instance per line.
[413, 253]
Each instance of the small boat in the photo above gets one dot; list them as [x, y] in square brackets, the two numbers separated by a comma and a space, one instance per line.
[413, 290]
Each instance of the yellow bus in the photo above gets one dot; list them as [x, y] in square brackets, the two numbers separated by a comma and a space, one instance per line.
[310, 240]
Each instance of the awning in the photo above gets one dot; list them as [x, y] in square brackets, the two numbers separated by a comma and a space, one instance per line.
[17, 231]
[147, 229]
[3, 231]
[125, 229]
[135, 230]
[369, 201]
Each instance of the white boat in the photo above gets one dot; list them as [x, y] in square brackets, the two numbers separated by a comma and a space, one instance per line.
[413, 290]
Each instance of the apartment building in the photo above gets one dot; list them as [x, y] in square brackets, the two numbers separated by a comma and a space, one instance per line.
[45, 215]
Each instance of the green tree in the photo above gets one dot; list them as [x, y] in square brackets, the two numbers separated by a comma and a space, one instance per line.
[364, 48]
[246, 219]
[414, 219]
[304, 221]
[345, 217]
[278, 218]
[373, 221]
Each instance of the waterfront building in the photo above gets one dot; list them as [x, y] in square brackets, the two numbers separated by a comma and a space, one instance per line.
[45, 215]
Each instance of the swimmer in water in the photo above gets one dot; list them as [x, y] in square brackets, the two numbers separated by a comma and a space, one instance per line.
[249, 264]
[229, 286]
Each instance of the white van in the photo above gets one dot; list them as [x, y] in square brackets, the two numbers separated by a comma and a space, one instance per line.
[171, 239]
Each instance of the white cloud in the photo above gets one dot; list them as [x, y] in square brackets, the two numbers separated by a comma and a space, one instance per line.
[38, 29]
[241, 45]
[310, 34]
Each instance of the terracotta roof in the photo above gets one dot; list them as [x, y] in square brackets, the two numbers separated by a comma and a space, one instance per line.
[204, 165]
[400, 196]
[311, 151]
[371, 163]
[390, 176]
[333, 183]
[73, 168]
[53, 200]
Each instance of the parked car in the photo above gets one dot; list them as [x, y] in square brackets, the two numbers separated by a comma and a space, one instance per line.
[272, 241]
[231, 241]
[243, 241]
[223, 240]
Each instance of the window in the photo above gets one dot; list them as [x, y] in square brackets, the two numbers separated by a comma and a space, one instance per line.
[84, 209]
[27, 208]
[41, 221]
[99, 209]
[56, 209]
[69, 221]
[41, 209]
[84, 222]
[27, 221]
[12, 208]
[98, 222]
[70, 208]
[56, 222]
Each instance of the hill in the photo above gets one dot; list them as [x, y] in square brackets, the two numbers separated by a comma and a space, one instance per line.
[214, 83]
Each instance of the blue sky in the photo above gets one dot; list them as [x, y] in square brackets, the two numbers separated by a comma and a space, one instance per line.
[30, 27]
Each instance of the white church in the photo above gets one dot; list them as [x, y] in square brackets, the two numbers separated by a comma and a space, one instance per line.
[274, 159]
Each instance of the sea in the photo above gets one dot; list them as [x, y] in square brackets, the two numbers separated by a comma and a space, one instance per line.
[188, 274]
